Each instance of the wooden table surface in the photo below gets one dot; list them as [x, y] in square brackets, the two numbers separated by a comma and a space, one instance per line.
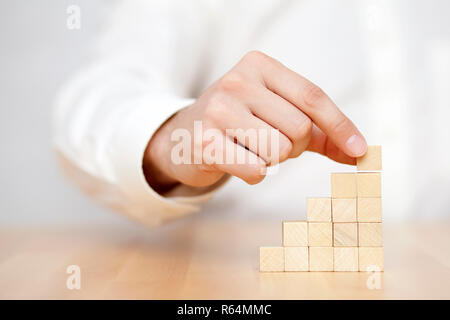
[207, 258]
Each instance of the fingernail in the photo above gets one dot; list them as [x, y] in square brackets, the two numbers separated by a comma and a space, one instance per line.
[356, 145]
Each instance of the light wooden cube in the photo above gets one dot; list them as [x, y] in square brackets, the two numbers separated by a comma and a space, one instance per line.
[371, 161]
[344, 210]
[346, 259]
[295, 233]
[296, 259]
[343, 185]
[345, 234]
[320, 258]
[318, 209]
[371, 258]
[369, 184]
[320, 234]
[369, 210]
[271, 259]
[370, 234]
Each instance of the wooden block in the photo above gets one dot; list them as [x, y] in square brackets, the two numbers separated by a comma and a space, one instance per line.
[271, 259]
[370, 259]
[369, 184]
[295, 234]
[320, 234]
[296, 259]
[320, 258]
[370, 234]
[369, 210]
[345, 234]
[371, 161]
[344, 210]
[343, 185]
[318, 209]
[346, 259]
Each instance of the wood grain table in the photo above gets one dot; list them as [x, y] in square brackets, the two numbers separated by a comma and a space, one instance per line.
[207, 257]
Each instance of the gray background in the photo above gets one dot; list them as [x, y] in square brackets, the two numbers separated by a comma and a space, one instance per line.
[38, 52]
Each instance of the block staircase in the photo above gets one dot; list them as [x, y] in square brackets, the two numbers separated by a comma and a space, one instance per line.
[341, 233]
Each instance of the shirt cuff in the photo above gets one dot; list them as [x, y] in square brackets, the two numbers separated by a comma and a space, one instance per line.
[131, 140]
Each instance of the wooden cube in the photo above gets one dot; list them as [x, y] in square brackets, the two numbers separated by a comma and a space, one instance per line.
[371, 161]
[345, 234]
[346, 259]
[318, 209]
[343, 185]
[344, 210]
[369, 210]
[369, 184]
[370, 234]
[370, 259]
[320, 258]
[295, 234]
[320, 234]
[296, 259]
[271, 259]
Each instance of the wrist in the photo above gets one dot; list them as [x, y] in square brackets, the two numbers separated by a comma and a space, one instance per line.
[156, 162]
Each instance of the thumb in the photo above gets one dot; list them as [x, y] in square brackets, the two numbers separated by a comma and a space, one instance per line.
[320, 143]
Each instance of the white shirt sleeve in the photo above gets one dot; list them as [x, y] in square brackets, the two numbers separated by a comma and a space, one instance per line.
[137, 78]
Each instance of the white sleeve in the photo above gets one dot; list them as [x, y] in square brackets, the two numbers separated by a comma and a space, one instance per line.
[146, 67]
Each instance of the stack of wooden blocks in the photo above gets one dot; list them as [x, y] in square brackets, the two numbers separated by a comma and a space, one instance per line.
[342, 233]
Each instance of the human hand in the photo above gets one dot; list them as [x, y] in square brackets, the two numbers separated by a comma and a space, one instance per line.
[259, 94]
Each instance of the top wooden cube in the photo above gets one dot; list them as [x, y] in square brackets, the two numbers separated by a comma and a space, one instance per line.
[371, 161]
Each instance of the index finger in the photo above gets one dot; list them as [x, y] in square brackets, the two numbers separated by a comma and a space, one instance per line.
[309, 98]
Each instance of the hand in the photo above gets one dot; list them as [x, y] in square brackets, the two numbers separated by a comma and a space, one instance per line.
[262, 94]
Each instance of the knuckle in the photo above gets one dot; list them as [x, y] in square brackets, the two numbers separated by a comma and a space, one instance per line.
[257, 174]
[231, 82]
[285, 150]
[216, 109]
[312, 94]
[302, 129]
[302, 139]
[340, 125]
[256, 180]
[296, 152]
[255, 56]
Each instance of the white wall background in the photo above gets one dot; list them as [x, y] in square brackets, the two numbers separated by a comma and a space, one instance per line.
[37, 53]
[406, 109]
